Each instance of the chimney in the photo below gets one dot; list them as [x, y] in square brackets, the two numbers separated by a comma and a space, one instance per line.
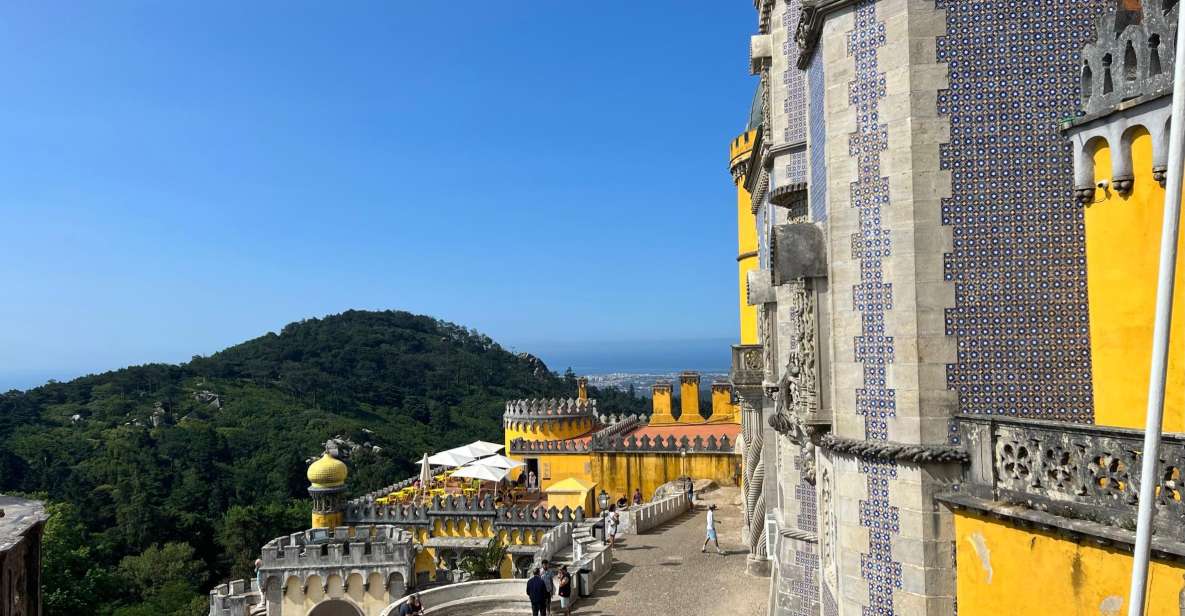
[661, 415]
[689, 395]
[723, 410]
[582, 388]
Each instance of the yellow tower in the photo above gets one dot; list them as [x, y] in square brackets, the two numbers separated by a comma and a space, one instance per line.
[689, 398]
[739, 152]
[327, 487]
[547, 420]
[661, 404]
[723, 409]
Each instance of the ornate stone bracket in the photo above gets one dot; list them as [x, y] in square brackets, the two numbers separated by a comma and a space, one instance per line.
[890, 451]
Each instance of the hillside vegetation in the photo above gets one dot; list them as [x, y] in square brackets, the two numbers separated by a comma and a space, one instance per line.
[166, 479]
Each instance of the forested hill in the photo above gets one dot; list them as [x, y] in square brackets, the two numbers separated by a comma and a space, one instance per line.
[204, 461]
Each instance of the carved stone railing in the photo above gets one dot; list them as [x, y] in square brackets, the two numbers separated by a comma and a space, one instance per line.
[615, 426]
[748, 365]
[1071, 470]
[628, 444]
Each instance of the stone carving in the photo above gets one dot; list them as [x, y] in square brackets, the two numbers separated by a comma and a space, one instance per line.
[1071, 470]
[827, 536]
[1131, 57]
[888, 451]
[796, 397]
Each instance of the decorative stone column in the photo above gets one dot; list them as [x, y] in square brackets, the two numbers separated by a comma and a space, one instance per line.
[747, 372]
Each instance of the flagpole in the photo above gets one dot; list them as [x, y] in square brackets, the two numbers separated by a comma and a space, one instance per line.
[1149, 479]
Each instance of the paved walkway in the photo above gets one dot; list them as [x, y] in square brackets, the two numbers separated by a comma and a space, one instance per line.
[663, 571]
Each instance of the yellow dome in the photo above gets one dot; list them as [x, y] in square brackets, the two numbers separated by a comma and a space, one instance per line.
[327, 472]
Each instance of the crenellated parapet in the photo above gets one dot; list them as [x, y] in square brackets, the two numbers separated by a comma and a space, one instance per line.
[395, 487]
[460, 510]
[234, 598]
[617, 425]
[354, 554]
[553, 409]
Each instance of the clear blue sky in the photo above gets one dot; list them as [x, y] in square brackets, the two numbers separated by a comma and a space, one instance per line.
[178, 177]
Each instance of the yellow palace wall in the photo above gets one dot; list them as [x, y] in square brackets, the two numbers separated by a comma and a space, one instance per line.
[371, 601]
[740, 150]
[426, 560]
[620, 473]
[1004, 570]
[1122, 254]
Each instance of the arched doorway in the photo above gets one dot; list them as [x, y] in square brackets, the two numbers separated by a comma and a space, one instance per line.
[335, 607]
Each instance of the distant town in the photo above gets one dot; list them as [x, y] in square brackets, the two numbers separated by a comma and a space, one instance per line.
[641, 381]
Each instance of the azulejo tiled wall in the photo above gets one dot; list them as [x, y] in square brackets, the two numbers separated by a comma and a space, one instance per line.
[817, 145]
[873, 298]
[1018, 263]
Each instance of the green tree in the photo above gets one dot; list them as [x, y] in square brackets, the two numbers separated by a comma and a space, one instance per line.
[486, 563]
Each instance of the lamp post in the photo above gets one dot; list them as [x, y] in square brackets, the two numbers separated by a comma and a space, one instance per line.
[603, 499]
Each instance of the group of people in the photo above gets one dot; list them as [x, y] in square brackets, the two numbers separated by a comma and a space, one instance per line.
[545, 584]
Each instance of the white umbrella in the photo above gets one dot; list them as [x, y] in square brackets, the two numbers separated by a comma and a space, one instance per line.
[498, 461]
[453, 457]
[480, 471]
[483, 448]
[425, 473]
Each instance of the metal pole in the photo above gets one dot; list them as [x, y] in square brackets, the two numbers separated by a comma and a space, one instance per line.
[1160, 336]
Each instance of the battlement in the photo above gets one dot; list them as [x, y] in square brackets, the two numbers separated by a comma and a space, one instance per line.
[337, 547]
[234, 598]
[564, 408]
[395, 487]
[460, 509]
[741, 148]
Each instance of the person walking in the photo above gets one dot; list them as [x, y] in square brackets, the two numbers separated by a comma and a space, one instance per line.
[537, 592]
[612, 520]
[689, 487]
[711, 527]
[548, 578]
[564, 588]
[637, 496]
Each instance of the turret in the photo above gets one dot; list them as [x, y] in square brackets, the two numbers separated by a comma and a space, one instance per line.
[739, 153]
[327, 487]
[689, 398]
[548, 420]
[723, 408]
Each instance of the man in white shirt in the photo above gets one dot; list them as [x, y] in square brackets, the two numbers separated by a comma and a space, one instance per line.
[712, 531]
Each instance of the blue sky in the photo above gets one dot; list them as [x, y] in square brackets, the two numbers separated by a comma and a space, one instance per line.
[179, 177]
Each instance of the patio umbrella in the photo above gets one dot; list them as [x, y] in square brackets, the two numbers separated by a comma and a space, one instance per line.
[483, 472]
[483, 448]
[498, 461]
[425, 473]
[453, 457]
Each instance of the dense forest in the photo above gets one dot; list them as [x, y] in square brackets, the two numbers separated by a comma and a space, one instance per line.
[164, 480]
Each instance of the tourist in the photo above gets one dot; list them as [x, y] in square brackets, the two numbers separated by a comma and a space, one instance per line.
[564, 588]
[259, 579]
[622, 503]
[532, 482]
[537, 592]
[548, 578]
[637, 496]
[712, 531]
[612, 520]
[413, 607]
[690, 488]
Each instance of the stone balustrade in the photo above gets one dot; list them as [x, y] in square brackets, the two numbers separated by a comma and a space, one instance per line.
[642, 518]
[461, 509]
[1078, 471]
[553, 542]
[234, 598]
[628, 444]
[468, 597]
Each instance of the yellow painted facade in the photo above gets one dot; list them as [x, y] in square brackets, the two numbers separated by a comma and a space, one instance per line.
[620, 473]
[1122, 253]
[326, 520]
[351, 590]
[739, 152]
[572, 492]
[547, 430]
[1003, 570]
[723, 408]
[427, 559]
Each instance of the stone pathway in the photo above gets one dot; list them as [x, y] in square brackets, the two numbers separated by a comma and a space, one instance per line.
[663, 571]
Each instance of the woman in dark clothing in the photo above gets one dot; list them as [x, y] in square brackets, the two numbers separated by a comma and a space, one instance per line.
[564, 590]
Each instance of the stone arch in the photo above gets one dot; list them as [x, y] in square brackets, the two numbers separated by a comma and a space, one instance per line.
[335, 607]
[522, 566]
[1087, 87]
[356, 585]
[334, 585]
[396, 585]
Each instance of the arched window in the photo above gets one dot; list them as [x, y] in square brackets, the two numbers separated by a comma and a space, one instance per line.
[1108, 86]
[1131, 70]
[1087, 83]
[1154, 55]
